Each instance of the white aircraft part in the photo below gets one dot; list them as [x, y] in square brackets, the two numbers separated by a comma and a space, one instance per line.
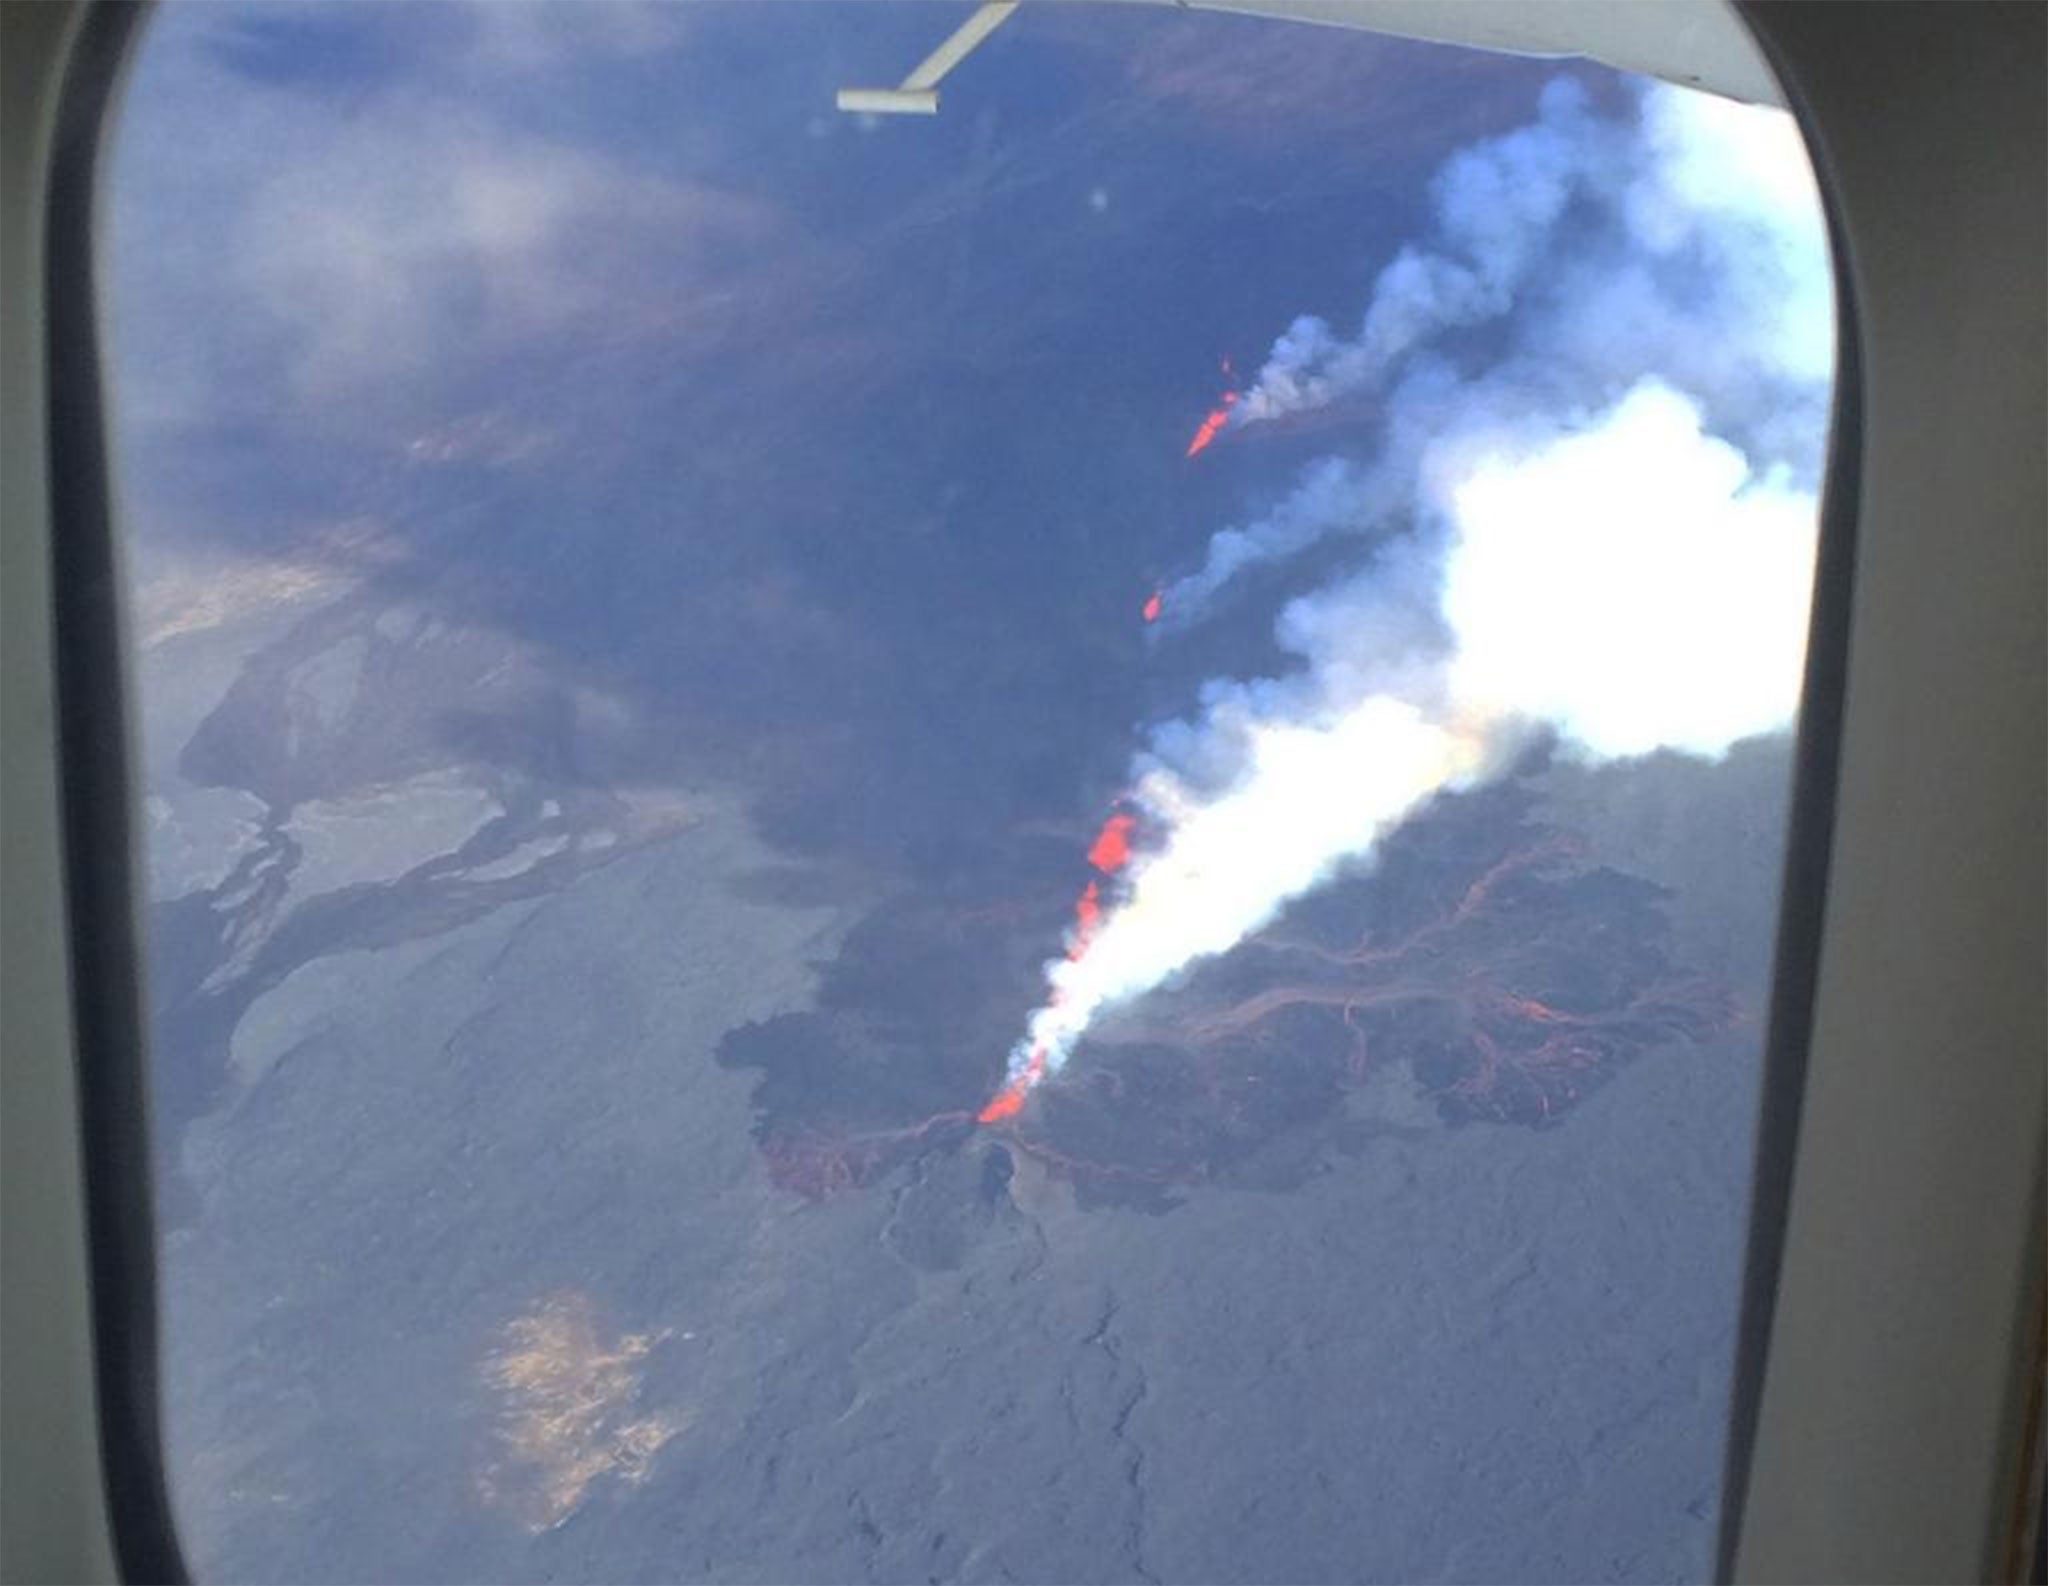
[942, 60]
[891, 101]
[919, 94]
[1694, 43]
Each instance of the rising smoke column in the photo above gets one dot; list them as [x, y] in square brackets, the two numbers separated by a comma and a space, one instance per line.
[1604, 536]
[1588, 253]
[1329, 498]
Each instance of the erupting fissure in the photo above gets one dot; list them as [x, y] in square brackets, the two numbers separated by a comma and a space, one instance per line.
[1108, 853]
[1212, 425]
[1557, 544]
[1111, 850]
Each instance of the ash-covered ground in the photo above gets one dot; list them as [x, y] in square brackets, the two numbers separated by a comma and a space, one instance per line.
[635, 587]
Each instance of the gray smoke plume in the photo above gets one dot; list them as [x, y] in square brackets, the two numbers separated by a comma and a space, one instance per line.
[1682, 243]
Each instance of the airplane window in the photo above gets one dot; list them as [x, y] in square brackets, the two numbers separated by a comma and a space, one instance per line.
[1034, 842]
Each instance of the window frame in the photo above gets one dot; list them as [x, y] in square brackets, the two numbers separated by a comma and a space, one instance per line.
[1876, 461]
[102, 939]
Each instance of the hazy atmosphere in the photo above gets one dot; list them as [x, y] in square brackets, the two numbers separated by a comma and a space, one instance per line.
[1034, 845]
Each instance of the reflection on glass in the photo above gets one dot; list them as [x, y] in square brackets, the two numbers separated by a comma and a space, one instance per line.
[1037, 843]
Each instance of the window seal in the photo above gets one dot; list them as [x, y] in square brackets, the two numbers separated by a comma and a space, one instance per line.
[100, 930]
[1809, 840]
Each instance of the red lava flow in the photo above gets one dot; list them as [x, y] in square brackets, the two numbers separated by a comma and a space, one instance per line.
[1212, 426]
[1109, 853]
[1218, 416]
[1009, 1101]
[1111, 850]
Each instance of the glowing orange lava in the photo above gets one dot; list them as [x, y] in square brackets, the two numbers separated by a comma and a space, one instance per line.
[1109, 853]
[1111, 850]
[1212, 426]
[1087, 910]
[1009, 1101]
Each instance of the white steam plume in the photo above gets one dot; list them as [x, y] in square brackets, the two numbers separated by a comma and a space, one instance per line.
[1606, 536]
[1568, 260]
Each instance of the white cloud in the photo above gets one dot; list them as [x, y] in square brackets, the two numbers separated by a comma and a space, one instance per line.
[346, 253]
[549, 35]
[1631, 585]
